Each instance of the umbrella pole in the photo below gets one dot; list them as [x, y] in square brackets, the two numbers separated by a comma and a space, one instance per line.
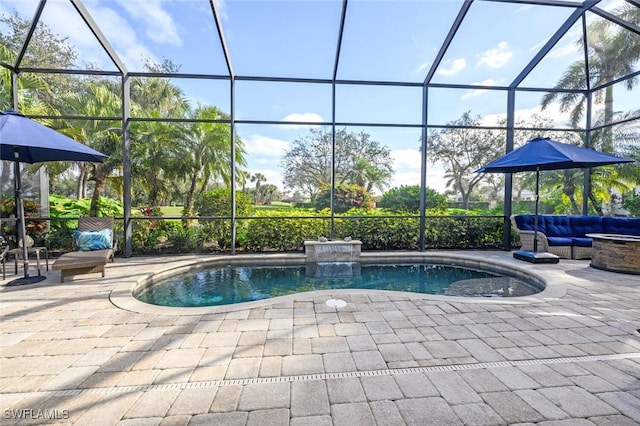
[20, 225]
[535, 221]
[22, 230]
[534, 256]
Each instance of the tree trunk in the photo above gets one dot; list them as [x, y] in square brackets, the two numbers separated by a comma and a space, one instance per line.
[100, 180]
[188, 204]
[465, 199]
[82, 182]
[52, 182]
[6, 170]
[607, 137]
[596, 205]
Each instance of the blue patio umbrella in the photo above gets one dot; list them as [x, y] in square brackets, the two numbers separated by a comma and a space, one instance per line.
[23, 140]
[546, 154]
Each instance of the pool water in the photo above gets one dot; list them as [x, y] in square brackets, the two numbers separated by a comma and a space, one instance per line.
[238, 284]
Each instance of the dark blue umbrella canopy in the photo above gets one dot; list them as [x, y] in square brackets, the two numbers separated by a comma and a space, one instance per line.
[546, 154]
[36, 143]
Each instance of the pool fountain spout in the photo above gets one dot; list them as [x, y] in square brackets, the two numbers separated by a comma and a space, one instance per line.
[323, 251]
[333, 258]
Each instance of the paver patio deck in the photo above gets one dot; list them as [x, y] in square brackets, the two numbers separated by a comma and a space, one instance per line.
[70, 354]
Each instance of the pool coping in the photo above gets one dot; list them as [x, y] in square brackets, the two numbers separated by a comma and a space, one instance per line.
[122, 294]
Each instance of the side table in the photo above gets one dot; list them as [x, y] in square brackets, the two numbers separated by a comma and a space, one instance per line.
[18, 253]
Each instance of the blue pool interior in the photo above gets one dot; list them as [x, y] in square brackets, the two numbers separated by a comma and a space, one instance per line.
[232, 284]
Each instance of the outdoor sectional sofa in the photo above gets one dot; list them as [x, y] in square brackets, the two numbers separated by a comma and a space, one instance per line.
[565, 236]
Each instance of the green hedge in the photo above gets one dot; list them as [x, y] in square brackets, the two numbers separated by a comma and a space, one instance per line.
[286, 231]
[273, 232]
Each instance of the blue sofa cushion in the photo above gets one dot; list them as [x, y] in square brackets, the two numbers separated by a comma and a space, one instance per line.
[581, 242]
[526, 222]
[557, 226]
[582, 225]
[621, 225]
[559, 241]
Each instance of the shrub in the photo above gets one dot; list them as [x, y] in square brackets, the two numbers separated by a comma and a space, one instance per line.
[271, 232]
[347, 196]
[185, 239]
[632, 204]
[463, 232]
[218, 203]
[34, 228]
[377, 231]
[406, 198]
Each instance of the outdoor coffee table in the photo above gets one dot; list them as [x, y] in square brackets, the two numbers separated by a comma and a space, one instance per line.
[616, 253]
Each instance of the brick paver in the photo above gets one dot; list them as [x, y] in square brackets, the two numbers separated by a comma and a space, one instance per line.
[390, 358]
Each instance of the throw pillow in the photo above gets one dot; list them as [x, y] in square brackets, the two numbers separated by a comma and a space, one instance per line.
[93, 240]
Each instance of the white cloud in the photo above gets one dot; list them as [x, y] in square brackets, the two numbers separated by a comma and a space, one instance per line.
[308, 117]
[124, 39]
[63, 19]
[273, 177]
[121, 35]
[406, 178]
[422, 67]
[524, 8]
[452, 66]
[406, 158]
[264, 145]
[552, 110]
[477, 92]
[435, 179]
[565, 50]
[157, 23]
[24, 8]
[496, 57]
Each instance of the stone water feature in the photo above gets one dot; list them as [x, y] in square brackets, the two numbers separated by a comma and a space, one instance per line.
[332, 251]
[333, 258]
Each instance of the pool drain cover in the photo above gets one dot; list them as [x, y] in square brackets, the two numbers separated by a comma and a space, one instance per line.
[336, 303]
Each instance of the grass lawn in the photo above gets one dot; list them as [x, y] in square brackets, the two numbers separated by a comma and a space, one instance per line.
[171, 211]
[174, 211]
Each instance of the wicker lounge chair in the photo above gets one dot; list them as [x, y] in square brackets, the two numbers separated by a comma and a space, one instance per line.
[91, 261]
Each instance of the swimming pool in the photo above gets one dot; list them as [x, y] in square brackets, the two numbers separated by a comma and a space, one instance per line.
[236, 284]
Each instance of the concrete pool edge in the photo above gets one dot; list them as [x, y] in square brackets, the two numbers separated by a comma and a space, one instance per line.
[122, 295]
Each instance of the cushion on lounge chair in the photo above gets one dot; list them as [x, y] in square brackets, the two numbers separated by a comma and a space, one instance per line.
[93, 240]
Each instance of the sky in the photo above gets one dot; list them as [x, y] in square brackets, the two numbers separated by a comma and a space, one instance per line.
[383, 40]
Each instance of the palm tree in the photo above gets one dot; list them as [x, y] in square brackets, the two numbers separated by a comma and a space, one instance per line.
[610, 55]
[97, 100]
[153, 146]
[204, 152]
[258, 178]
[368, 176]
[152, 158]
